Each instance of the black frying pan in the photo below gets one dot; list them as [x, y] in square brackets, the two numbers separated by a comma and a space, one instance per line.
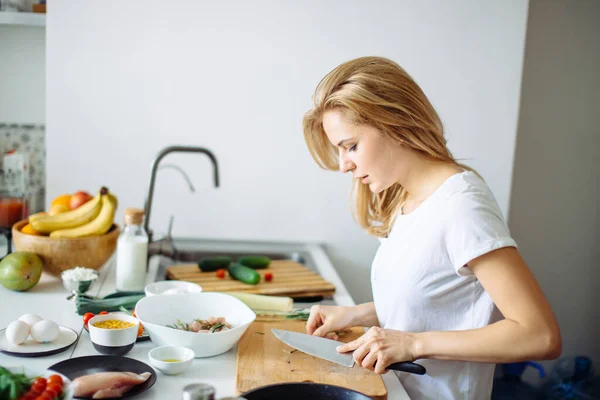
[303, 391]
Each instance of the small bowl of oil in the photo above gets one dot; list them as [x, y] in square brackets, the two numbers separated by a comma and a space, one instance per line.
[171, 360]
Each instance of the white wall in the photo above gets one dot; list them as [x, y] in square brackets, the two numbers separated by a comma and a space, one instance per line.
[556, 186]
[128, 78]
[22, 74]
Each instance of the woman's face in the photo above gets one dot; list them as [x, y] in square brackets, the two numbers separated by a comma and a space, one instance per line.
[372, 158]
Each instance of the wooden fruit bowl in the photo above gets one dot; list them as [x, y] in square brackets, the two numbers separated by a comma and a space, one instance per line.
[61, 254]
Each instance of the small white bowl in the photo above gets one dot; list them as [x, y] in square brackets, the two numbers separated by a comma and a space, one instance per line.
[158, 355]
[171, 287]
[115, 342]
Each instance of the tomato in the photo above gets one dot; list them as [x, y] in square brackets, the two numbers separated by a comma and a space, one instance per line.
[28, 396]
[38, 388]
[51, 392]
[103, 312]
[221, 273]
[55, 388]
[268, 277]
[56, 379]
[140, 330]
[44, 396]
[86, 318]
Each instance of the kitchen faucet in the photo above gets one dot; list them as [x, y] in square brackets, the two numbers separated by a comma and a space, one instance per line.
[155, 247]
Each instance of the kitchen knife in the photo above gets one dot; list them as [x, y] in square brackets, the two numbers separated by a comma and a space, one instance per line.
[325, 349]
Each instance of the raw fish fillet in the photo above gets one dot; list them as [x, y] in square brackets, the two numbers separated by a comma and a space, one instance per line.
[107, 384]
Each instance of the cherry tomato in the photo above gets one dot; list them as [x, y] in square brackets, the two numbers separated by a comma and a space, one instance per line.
[221, 273]
[56, 379]
[28, 396]
[268, 277]
[44, 396]
[55, 388]
[86, 318]
[38, 388]
[51, 392]
[103, 312]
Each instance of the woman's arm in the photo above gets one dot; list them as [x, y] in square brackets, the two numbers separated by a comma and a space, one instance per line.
[365, 315]
[528, 332]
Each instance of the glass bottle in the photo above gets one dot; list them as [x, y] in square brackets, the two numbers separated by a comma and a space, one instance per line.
[132, 253]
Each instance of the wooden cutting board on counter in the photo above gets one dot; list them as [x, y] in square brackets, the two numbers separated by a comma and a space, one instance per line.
[289, 279]
[262, 359]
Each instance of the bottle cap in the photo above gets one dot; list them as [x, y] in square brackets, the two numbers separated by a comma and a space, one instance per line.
[134, 216]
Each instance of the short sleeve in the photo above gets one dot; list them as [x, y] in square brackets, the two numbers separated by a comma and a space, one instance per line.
[475, 227]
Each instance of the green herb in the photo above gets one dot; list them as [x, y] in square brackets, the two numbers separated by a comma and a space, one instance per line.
[216, 326]
[86, 304]
[13, 385]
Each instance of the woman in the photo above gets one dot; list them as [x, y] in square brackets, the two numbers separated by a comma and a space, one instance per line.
[446, 263]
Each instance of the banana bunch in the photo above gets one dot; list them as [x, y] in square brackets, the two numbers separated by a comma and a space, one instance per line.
[93, 218]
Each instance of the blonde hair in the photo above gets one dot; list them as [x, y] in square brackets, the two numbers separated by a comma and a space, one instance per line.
[377, 92]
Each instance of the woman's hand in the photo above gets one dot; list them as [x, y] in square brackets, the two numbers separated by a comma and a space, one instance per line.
[326, 319]
[378, 348]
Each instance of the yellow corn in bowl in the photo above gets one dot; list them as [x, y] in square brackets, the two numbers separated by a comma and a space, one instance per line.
[113, 333]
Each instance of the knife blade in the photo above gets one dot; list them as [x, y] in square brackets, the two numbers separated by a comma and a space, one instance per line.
[326, 349]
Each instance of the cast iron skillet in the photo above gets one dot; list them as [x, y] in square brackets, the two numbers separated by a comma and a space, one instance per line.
[303, 391]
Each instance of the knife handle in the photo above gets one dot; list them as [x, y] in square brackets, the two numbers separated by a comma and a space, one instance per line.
[406, 366]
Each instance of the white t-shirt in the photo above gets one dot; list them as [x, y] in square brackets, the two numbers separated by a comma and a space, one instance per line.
[421, 281]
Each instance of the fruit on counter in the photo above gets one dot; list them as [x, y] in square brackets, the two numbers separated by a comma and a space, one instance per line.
[17, 332]
[211, 264]
[255, 262]
[37, 215]
[20, 270]
[79, 198]
[70, 219]
[58, 209]
[243, 273]
[98, 226]
[45, 331]
[28, 229]
[259, 302]
[93, 218]
[268, 277]
[63, 199]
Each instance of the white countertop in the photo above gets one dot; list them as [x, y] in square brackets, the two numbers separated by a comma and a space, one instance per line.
[48, 299]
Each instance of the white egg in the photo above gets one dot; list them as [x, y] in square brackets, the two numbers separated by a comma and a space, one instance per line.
[30, 319]
[45, 331]
[17, 332]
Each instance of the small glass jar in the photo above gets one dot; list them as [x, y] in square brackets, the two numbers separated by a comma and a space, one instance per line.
[132, 253]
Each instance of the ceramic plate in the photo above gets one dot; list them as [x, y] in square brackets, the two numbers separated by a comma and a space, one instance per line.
[66, 338]
[75, 367]
[32, 373]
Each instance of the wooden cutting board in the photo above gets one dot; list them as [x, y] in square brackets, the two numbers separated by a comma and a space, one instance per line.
[262, 359]
[289, 279]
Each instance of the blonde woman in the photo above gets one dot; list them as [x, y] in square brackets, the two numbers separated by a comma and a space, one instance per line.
[446, 266]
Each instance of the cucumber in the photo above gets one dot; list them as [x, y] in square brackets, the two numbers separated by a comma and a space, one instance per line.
[244, 274]
[211, 264]
[254, 262]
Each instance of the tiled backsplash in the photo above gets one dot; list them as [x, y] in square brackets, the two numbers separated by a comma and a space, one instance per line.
[29, 140]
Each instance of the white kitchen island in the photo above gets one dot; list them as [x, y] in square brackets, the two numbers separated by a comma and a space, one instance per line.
[48, 299]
